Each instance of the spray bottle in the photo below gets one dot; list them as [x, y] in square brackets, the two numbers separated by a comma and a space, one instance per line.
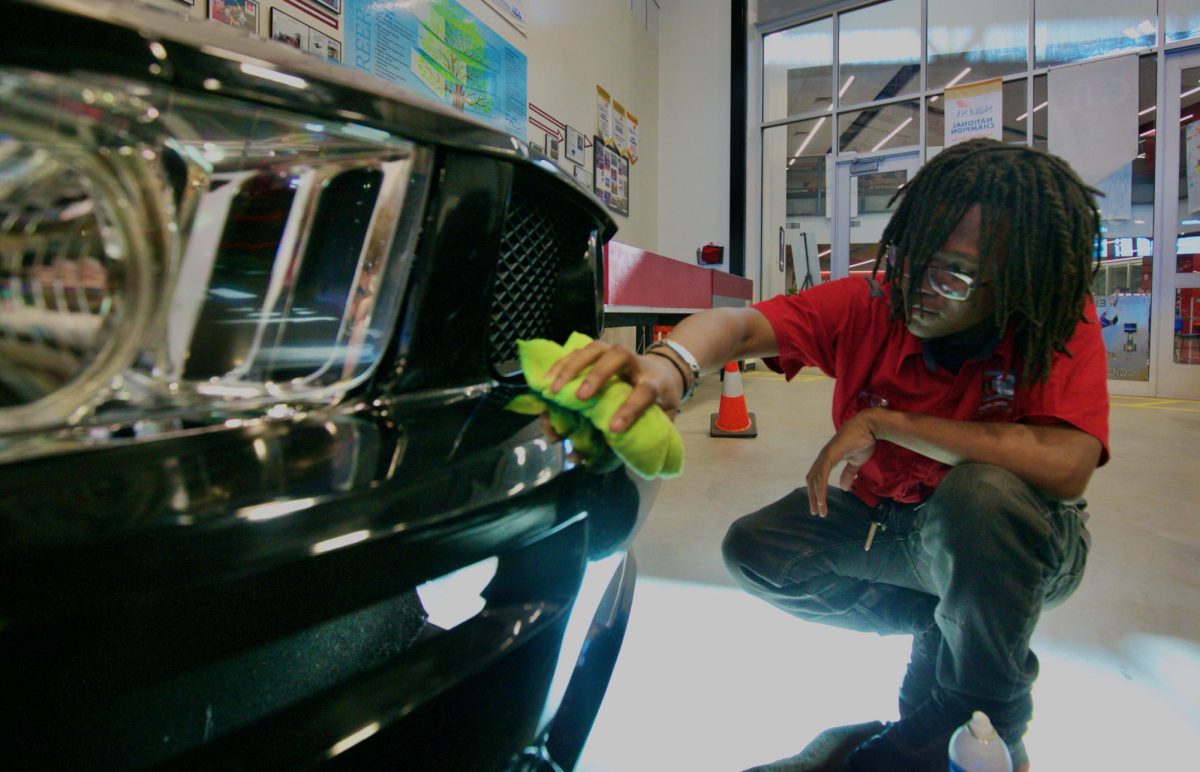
[976, 747]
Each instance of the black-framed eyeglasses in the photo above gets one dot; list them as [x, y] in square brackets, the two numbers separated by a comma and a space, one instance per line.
[950, 284]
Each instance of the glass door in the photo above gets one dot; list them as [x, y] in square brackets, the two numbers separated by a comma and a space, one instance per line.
[1176, 319]
[864, 188]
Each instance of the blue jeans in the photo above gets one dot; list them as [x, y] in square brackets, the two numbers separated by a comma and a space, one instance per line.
[970, 568]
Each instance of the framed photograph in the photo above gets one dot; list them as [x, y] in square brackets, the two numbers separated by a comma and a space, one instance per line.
[239, 14]
[610, 177]
[289, 30]
[552, 147]
[333, 5]
[576, 151]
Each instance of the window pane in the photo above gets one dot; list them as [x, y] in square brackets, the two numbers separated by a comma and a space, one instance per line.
[1016, 113]
[1188, 227]
[1122, 287]
[1121, 291]
[1041, 126]
[796, 231]
[1187, 324]
[1071, 30]
[797, 70]
[879, 49]
[935, 126]
[972, 40]
[1183, 19]
[879, 128]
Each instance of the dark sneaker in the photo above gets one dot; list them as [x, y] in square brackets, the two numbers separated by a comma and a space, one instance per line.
[827, 752]
[917, 743]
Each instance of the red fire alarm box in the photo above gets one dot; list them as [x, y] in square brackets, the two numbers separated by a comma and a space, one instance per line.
[710, 254]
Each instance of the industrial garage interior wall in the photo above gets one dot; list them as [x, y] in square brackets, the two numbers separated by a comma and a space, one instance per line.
[572, 46]
[694, 91]
[575, 45]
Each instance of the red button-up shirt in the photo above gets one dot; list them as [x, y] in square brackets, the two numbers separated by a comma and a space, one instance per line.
[843, 327]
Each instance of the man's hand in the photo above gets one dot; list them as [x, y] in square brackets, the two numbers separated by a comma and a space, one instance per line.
[854, 443]
[654, 380]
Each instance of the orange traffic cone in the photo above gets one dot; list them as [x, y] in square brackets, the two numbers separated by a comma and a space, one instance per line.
[732, 420]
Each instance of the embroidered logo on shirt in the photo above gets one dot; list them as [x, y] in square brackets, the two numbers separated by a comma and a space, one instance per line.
[999, 388]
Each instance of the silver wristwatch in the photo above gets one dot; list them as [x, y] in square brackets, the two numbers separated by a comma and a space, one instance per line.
[688, 359]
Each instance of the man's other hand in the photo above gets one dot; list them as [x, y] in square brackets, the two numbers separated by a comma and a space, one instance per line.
[854, 443]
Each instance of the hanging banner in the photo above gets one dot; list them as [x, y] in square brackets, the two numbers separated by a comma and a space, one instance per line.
[620, 135]
[632, 125]
[974, 110]
[1093, 115]
[604, 115]
[513, 12]
[440, 50]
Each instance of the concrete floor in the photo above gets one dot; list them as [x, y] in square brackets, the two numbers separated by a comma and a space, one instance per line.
[712, 679]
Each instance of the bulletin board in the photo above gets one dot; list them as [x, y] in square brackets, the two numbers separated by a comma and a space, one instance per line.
[610, 177]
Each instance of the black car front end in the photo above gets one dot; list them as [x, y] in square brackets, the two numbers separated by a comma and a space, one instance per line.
[261, 504]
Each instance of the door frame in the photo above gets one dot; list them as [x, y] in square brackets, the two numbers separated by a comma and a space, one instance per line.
[847, 168]
[1168, 379]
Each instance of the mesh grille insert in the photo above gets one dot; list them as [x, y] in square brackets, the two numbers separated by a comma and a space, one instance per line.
[531, 249]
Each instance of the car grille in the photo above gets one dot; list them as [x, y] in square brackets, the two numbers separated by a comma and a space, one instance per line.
[535, 243]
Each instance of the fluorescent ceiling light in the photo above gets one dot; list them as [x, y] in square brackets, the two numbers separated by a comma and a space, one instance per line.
[958, 77]
[1023, 116]
[811, 134]
[1189, 93]
[1150, 109]
[845, 86]
[894, 132]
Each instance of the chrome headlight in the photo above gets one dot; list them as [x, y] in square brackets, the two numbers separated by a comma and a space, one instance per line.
[166, 255]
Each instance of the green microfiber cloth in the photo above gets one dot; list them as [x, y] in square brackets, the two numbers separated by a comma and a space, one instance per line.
[651, 447]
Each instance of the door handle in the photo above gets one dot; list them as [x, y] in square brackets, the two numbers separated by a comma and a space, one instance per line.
[781, 248]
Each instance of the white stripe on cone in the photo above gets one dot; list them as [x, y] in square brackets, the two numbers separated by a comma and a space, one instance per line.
[733, 382]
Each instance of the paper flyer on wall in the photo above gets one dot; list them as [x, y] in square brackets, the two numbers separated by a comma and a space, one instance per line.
[1191, 134]
[513, 12]
[974, 110]
[631, 124]
[439, 50]
[620, 132]
[603, 115]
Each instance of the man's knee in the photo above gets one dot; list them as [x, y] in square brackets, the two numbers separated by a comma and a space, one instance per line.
[981, 507]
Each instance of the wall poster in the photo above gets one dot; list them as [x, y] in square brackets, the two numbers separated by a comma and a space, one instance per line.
[1125, 328]
[632, 133]
[604, 120]
[439, 50]
[610, 177]
[290, 31]
[239, 14]
[620, 137]
[576, 152]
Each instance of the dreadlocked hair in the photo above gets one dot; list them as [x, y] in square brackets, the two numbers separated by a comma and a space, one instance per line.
[1039, 238]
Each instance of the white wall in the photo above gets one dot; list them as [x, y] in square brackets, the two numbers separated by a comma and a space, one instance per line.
[694, 93]
[575, 45]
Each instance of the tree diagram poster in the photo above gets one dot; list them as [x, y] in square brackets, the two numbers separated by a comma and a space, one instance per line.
[440, 50]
